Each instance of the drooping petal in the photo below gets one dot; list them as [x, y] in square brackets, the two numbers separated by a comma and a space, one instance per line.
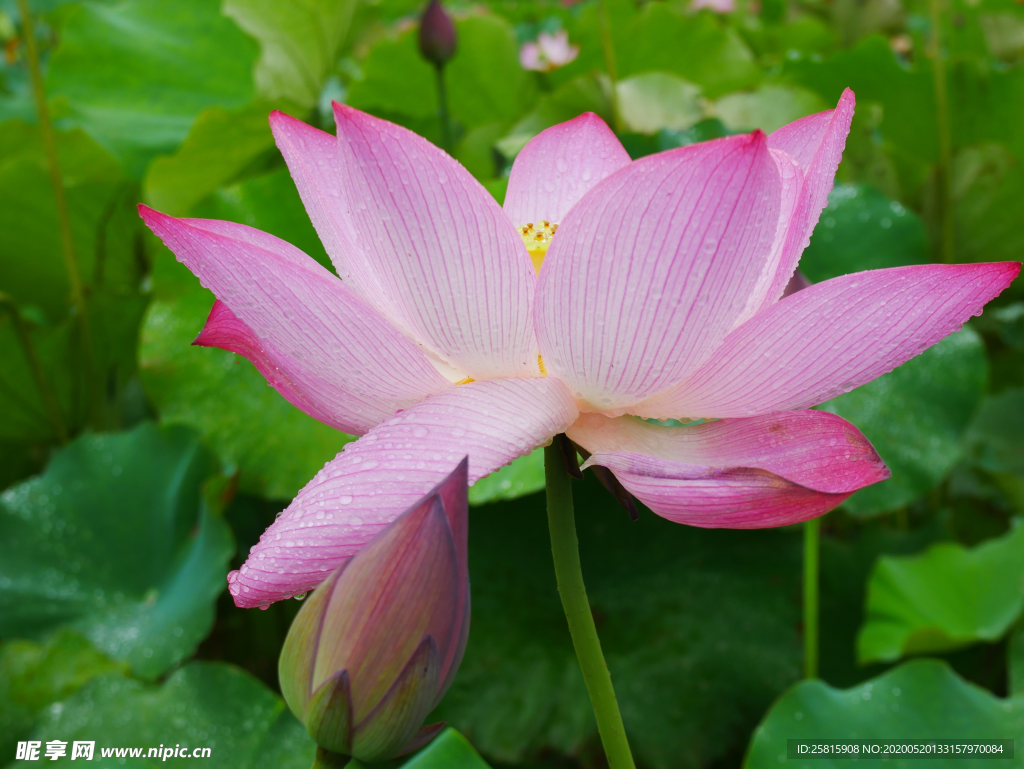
[832, 337]
[715, 498]
[559, 166]
[815, 143]
[312, 158]
[447, 258]
[651, 269]
[820, 451]
[331, 354]
[381, 475]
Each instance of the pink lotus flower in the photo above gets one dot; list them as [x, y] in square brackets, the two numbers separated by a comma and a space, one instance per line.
[549, 52]
[378, 644]
[658, 297]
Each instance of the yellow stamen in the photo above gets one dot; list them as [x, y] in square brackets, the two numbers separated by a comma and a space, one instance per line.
[467, 380]
[537, 238]
[540, 362]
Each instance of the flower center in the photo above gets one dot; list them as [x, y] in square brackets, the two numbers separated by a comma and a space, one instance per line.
[537, 237]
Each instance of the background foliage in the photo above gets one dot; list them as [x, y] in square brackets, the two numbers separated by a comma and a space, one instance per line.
[139, 469]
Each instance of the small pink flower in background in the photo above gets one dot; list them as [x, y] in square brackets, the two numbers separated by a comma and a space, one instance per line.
[605, 290]
[549, 52]
[718, 6]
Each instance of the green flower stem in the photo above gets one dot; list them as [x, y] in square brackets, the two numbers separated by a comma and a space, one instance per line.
[442, 100]
[35, 367]
[60, 198]
[608, 48]
[812, 544]
[943, 176]
[566, 552]
[325, 759]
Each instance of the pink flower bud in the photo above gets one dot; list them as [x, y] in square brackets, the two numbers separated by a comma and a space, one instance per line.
[438, 39]
[378, 643]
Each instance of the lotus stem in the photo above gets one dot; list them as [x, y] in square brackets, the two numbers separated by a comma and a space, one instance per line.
[812, 545]
[442, 100]
[608, 47]
[36, 369]
[60, 198]
[566, 552]
[943, 176]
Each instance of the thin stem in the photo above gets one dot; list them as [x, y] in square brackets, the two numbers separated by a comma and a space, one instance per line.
[442, 99]
[812, 544]
[608, 47]
[63, 215]
[947, 233]
[568, 572]
[36, 369]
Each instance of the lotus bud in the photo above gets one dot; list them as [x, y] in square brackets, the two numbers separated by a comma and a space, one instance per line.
[438, 39]
[377, 644]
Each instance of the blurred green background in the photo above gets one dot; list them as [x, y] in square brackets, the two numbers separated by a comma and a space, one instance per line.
[138, 470]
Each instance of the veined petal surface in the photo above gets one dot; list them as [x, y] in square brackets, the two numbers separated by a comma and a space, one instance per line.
[651, 269]
[328, 347]
[815, 143]
[447, 258]
[832, 337]
[716, 498]
[378, 477]
[559, 166]
[312, 158]
[817, 450]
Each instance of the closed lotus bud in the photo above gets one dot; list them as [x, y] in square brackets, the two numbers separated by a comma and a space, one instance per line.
[437, 34]
[376, 646]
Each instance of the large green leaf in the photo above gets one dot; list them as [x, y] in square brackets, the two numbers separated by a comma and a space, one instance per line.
[872, 70]
[219, 146]
[699, 628]
[947, 597]
[918, 700]
[862, 229]
[520, 477]
[916, 417]
[136, 73]
[661, 37]
[994, 440]
[300, 41]
[275, 447]
[32, 264]
[989, 196]
[768, 108]
[116, 540]
[202, 705]
[33, 675]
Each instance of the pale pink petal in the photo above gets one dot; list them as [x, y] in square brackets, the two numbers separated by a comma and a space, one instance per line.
[714, 497]
[815, 449]
[792, 179]
[651, 269]
[389, 469]
[332, 354]
[442, 249]
[559, 166]
[321, 399]
[312, 158]
[529, 57]
[832, 337]
[816, 144]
